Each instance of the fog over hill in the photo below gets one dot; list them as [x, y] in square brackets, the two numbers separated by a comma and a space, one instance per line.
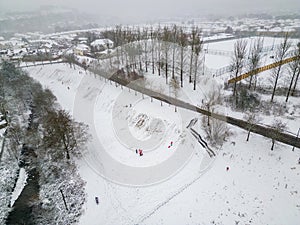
[140, 10]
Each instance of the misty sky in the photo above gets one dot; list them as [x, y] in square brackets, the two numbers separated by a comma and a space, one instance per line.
[156, 8]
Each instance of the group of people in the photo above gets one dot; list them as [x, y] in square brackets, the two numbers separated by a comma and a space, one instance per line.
[171, 144]
[139, 151]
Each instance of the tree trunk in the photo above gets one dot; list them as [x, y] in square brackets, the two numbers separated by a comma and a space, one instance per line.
[181, 67]
[146, 55]
[166, 69]
[275, 84]
[255, 83]
[191, 65]
[295, 84]
[273, 143]
[250, 82]
[65, 203]
[208, 116]
[248, 135]
[68, 155]
[158, 68]
[234, 87]
[153, 67]
[173, 65]
[290, 86]
[159, 59]
[195, 72]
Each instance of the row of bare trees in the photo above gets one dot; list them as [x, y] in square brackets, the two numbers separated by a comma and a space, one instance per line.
[169, 51]
[294, 72]
[243, 61]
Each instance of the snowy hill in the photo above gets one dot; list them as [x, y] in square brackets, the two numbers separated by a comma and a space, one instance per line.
[245, 184]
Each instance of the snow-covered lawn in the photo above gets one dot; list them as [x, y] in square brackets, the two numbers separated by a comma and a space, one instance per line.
[261, 187]
[177, 185]
[228, 45]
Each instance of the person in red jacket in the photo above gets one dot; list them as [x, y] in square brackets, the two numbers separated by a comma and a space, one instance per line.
[141, 152]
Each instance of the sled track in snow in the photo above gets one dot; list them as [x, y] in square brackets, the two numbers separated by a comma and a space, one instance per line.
[179, 191]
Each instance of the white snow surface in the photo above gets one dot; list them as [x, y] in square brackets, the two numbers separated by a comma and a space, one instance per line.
[181, 185]
[21, 182]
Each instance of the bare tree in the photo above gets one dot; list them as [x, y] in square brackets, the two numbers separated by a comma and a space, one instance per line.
[145, 35]
[61, 131]
[139, 47]
[255, 59]
[279, 126]
[294, 68]
[152, 48]
[183, 41]
[174, 39]
[212, 98]
[217, 132]
[166, 48]
[252, 119]
[192, 43]
[280, 54]
[237, 61]
[158, 48]
[198, 48]
[173, 84]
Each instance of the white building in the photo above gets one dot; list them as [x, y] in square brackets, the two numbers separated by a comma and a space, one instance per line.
[81, 49]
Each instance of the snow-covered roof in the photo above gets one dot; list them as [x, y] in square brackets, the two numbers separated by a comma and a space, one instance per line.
[13, 42]
[82, 47]
[101, 42]
[82, 39]
[20, 50]
[44, 41]
[276, 29]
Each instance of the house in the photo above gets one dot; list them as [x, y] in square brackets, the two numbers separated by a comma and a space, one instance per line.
[82, 40]
[101, 44]
[81, 49]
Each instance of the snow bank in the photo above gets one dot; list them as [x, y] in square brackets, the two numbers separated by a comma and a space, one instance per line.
[21, 182]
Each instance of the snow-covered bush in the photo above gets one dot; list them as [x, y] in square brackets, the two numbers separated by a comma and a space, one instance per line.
[8, 174]
[57, 178]
[216, 130]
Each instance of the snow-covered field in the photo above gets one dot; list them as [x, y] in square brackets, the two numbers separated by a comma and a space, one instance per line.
[176, 185]
[218, 55]
[228, 45]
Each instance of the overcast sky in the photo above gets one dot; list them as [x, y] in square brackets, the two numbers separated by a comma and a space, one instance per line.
[156, 8]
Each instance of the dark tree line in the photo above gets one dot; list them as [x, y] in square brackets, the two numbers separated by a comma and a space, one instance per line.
[51, 132]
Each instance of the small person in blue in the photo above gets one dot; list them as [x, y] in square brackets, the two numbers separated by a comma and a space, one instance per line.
[97, 200]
